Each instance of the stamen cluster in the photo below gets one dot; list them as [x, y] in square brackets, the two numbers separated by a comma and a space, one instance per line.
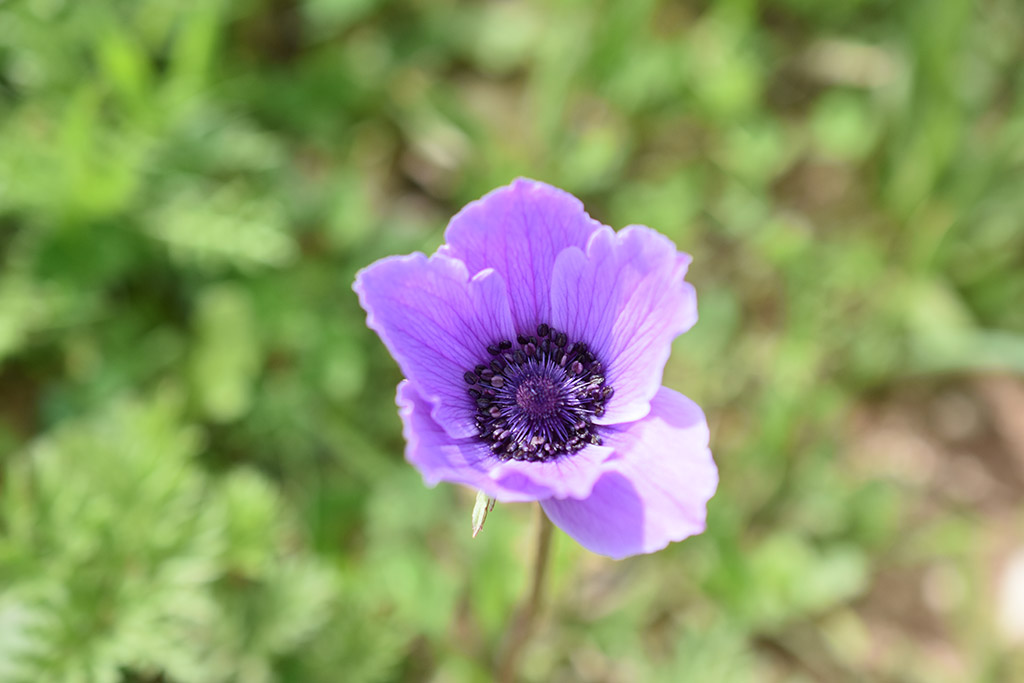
[536, 399]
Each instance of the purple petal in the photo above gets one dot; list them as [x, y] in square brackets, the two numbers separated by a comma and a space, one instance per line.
[439, 457]
[655, 492]
[437, 323]
[519, 230]
[627, 299]
[572, 476]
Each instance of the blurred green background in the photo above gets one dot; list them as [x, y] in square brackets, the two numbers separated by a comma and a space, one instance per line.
[201, 473]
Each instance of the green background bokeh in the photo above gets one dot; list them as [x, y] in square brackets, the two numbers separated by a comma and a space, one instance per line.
[201, 473]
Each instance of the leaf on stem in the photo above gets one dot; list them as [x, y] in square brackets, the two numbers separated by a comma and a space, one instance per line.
[480, 509]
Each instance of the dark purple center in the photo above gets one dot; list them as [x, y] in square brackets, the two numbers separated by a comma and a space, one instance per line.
[536, 400]
[539, 397]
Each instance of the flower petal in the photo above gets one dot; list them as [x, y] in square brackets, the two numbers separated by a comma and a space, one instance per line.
[626, 297]
[655, 492]
[437, 323]
[570, 476]
[519, 230]
[439, 457]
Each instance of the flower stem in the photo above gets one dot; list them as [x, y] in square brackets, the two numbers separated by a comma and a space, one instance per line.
[519, 631]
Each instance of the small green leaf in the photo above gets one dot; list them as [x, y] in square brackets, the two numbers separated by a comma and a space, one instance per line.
[480, 510]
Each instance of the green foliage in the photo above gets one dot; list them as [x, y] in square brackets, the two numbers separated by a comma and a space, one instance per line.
[123, 554]
[200, 462]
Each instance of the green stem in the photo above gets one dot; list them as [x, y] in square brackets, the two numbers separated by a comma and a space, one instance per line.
[521, 628]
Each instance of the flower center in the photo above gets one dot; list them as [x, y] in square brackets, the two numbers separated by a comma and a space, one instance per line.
[536, 400]
[539, 397]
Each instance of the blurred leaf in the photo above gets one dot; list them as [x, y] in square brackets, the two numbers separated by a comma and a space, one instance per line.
[757, 152]
[226, 355]
[225, 226]
[842, 127]
[717, 654]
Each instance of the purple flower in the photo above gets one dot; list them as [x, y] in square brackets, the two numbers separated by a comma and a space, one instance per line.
[533, 344]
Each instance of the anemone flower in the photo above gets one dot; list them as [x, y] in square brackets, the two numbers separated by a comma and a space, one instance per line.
[533, 344]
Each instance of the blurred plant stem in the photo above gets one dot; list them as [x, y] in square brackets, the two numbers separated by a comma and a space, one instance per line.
[525, 617]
